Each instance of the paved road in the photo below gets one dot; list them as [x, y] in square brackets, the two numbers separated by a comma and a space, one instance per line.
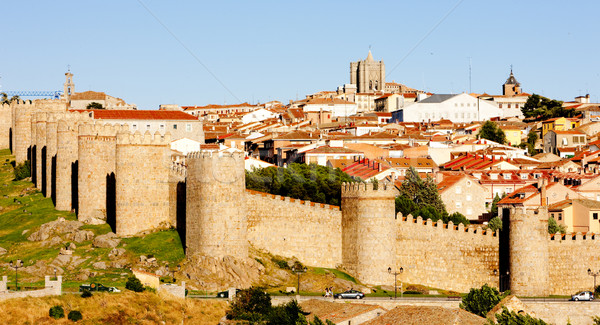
[387, 299]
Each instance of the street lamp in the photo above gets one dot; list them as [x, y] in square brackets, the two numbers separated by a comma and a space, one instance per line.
[594, 274]
[55, 278]
[298, 269]
[395, 276]
[501, 281]
[16, 265]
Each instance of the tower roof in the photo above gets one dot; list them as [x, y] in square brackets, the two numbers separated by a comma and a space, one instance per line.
[512, 80]
[370, 57]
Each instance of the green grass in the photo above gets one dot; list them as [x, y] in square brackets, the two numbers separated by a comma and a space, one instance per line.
[338, 274]
[164, 245]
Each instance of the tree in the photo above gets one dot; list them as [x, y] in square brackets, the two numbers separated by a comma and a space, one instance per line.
[422, 192]
[511, 318]
[134, 284]
[14, 98]
[495, 224]
[481, 301]
[532, 138]
[542, 108]
[251, 304]
[489, 130]
[554, 227]
[94, 105]
[4, 98]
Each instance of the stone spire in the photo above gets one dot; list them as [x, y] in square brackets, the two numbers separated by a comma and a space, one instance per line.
[370, 57]
[511, 79]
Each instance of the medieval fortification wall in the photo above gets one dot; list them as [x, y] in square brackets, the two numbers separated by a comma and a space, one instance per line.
[570, 256]
[311, 232]
[445, 255]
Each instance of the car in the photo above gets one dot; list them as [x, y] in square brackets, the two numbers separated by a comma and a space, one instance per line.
[350, 294]
[225, 294]
[97, 287]
[113, 289]
[583, 296]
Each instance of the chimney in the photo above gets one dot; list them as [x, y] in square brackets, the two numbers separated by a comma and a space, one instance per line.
[542, 189]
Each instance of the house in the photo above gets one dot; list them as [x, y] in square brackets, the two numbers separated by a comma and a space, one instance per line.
[258, 115]
[185, 145]
[462, 193]
[555, 139]
[559, 124]
[336, 107]
[456, 108]
[341, 314]
[417, 315]
[513, 134]
[320, 155]
[252, 163]
[532, 195]
[578, 215]
[389, 103]
[590, 188]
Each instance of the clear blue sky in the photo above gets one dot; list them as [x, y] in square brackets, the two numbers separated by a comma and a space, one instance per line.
[278, 50]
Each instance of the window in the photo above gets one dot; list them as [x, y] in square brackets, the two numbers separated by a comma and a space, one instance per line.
[162, 127]
[508, 105]
[508, 190]
[523, 176]
[468, 197]
[458, 190]
[458, 205]
[560, 216]
[188, 127]
[469, 211]
[595, 215]
[147, 126]
[507, 176]
[174, 126]
[565, 142]
[134, 127]
[499, 105]
[552, 215]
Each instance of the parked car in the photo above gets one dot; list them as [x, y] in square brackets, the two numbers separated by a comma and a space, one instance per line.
[97, 287]
[350, 294]
[583, 296]
[225, 294]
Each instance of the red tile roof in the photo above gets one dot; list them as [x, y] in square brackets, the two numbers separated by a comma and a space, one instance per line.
[103, 114]
[365, 168]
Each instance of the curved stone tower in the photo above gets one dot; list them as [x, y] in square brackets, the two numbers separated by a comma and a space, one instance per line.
[143, 164]
[40, 152]
[528, 251]
[96, 167]
[22, 131]
[368, 231]
[216, 221]
[51, 149]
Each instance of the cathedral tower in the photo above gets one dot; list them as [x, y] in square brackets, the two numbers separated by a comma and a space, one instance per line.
[368, 75]
[511, 87]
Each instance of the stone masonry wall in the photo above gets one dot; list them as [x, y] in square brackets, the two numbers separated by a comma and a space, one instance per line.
[445, 255]
[570, 256]
[40, 151]
[5, 125]
[216, 222]
[312, 232]
[97, 149]
[142, 182]
[51, 149]
[22, 130]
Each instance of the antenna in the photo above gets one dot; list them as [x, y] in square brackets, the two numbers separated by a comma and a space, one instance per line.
[68, 68]
[470, 76]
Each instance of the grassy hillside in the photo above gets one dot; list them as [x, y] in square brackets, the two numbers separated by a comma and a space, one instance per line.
[23, 209]
[120, 308]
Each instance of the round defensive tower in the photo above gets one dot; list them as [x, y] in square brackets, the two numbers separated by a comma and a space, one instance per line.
[51, 149]
[216, 220]
[528, 251]
[40, 152]
[368, 231]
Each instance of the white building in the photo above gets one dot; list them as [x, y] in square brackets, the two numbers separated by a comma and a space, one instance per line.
[258, 115]
[338, 107]
[456, 108]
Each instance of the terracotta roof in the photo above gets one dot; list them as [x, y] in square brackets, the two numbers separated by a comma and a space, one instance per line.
[213, 106]
[328, 149]
[102, 114]
[336, 312]
[89, 95]
[567, 132]
[365, 168]
[317, 101]
[411, 162]
[418, 315]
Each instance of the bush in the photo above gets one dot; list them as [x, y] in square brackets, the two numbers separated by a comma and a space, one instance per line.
[495, 224]
[412, 292]
[149, 289]
[481, 301]
[23, 170]
[57, 312]
[134, 284]
[510, 318]
[86, 293]
[282, 264]
[74, 315]
[250, 304]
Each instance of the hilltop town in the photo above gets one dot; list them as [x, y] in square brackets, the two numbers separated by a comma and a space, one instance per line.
[521, 170]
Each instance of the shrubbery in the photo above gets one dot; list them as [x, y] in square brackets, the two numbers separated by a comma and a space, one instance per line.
[86, 293]
[75, 315]
[57, 312]
[511, 318]
[23, 170]
[134, 284]
[481, 301]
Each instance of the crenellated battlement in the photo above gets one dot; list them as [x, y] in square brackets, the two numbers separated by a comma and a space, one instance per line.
[137, 138]
[588, 237]
[360, 189]
[294, 201]
[106, 130]
[178, 169]
[450, 226]
[212, 154]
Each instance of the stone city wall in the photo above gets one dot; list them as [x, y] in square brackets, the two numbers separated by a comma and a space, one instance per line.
[40, 150]
[445, 255]
[96, 166]
[570, 256]
[52, 288]
[311, 232]
[216, 220]
[51, 150]
[177, 175]
[368, 232]
[142, 182]
[5, 125]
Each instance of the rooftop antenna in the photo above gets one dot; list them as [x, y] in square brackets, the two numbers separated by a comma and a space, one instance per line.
[470, 76]
[68, 68]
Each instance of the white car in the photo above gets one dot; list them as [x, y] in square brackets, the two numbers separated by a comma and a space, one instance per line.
[583, 296]
[113, 289]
